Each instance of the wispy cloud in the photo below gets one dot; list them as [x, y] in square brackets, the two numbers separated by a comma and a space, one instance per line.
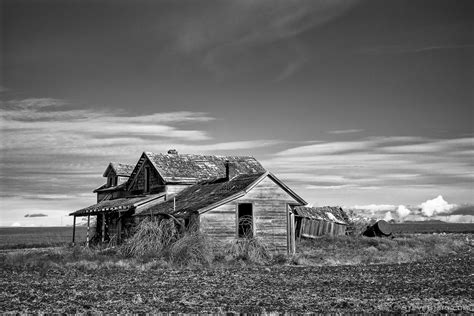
[263, 25]
[50, 152]
[385, 163]
[398, 49]
[345, 131]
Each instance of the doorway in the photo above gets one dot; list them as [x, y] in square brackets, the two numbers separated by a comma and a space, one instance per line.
[245, 220]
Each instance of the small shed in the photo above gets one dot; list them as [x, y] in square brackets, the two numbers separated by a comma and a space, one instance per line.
[318, 221]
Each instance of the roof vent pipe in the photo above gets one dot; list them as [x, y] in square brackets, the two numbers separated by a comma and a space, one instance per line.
[172, 152]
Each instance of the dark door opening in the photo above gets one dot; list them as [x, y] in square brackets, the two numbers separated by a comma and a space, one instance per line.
[245, 218]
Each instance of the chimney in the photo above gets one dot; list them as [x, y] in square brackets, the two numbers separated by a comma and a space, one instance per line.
[230, 170]
[172, 152]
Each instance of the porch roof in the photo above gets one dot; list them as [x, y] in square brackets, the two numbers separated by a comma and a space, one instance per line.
[117, 205]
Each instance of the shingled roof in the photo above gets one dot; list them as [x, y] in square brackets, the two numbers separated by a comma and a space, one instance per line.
[203, 195]
[326, 213]
[188, 168]
[121, 169]
[123, 204]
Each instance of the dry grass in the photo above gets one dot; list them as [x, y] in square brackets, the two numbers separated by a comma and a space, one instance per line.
[363, 250]
[159, 245]
[248, 249]
[151, 239]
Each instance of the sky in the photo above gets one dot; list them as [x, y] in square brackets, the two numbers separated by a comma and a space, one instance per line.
[353, 103]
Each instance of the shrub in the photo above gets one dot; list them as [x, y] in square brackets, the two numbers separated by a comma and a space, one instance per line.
[248, 249]
[150, 239]
[192, 248]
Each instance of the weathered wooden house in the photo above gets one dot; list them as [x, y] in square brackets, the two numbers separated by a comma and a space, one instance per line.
[226, 197]
[236, 206]
[153, 179]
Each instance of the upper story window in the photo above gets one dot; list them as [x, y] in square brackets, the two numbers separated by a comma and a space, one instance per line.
[147, 180]
[111, 181]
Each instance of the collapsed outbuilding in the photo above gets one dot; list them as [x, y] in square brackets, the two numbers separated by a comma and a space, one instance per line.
[318, 221]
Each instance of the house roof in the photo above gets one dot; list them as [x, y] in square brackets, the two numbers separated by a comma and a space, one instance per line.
[204, 194]
[122, 205]
[326, 213]
[207, 195]
[105, 188]
[121, 169]
[188, 168]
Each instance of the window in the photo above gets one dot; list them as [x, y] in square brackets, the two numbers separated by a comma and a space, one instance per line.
[111, 181]
[147, 180]
[245, 220]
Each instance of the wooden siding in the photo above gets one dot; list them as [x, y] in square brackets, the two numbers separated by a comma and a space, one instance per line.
[310, 228]
[172, 189]
[269, 212]
[156, 183]
[122, 180]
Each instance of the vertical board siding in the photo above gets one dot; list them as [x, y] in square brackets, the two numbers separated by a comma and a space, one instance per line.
[155, 179]
[311, 228]
[269, 212]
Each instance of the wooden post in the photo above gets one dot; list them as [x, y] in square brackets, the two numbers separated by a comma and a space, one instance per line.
[74, 230]
[88, 229]
[292, 233]
[119, 228]
[103, 227]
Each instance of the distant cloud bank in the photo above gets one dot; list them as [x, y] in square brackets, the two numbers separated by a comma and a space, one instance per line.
[436, 208]
[36, 215]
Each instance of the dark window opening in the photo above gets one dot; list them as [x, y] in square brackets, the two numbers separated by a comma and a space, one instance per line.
[147, 180]
[245, 218]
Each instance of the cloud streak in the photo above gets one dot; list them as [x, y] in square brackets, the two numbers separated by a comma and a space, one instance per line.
[389, 163]
[397, 49]
[50, 152]
[261, 26]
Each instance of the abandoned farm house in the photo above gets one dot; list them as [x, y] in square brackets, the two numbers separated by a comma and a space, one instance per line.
[225, 197]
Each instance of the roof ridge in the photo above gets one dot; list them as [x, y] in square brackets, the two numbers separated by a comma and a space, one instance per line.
[204, 155]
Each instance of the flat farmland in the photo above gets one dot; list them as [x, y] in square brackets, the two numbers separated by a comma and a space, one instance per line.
[432, 227]
[31, 237]
[437, 285]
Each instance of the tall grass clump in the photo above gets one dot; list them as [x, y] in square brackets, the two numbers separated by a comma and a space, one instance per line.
[248, 249]
[191, 249]
[151, 239]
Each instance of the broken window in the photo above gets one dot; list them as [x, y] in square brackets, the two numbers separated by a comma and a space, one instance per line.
[245, 220]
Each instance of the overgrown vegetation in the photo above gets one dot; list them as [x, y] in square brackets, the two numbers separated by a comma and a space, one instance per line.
[354, 250]
[159, 245]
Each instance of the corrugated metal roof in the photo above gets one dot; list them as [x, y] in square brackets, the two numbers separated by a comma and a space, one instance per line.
[122, 204]
[326, 213]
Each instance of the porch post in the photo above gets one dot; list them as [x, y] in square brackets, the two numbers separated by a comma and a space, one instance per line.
[103, 227]
[74, 230]
[119, 228]
[88, 229]
[292, 233]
